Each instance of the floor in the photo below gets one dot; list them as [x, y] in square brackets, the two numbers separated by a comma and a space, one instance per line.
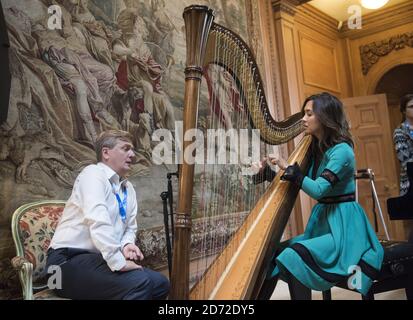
[281, 293]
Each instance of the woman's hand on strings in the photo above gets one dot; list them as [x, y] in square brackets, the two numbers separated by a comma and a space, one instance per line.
[258, 165]
[279, 161]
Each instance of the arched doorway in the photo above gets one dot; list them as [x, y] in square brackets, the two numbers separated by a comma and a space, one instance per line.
[395, 83]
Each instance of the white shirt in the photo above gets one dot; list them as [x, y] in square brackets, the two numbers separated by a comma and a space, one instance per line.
[91, 219]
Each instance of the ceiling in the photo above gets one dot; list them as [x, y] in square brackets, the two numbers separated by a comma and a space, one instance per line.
[338, 8]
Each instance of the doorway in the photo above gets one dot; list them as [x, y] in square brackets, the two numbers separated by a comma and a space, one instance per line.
[396, 83]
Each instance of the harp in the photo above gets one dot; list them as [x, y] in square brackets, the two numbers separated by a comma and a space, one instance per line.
[239, 269]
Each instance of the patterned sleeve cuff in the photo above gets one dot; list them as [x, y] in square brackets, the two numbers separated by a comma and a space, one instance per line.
[330, 176]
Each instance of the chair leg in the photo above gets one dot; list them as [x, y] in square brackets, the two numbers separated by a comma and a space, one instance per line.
[368, 296]
[409, 286]
[327, 294]
[267, 288]
[298, 291]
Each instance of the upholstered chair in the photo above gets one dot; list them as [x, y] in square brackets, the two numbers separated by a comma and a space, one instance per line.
[33, 226]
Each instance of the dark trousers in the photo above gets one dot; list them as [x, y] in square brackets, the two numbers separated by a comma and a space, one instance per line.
[86, 275]
[298, 291]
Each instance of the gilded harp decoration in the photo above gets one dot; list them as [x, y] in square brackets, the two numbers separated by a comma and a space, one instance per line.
[238, 269]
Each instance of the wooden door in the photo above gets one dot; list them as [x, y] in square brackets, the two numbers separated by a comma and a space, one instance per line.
[370, 126]
[395, 120]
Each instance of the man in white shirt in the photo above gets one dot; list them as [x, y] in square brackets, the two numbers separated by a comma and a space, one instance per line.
[94, 242]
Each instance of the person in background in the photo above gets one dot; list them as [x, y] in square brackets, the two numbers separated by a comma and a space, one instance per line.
[403, 140]
[94, 242]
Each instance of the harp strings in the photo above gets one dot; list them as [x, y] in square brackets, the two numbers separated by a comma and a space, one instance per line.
[208, 185]
[226, 196]
[273, 132]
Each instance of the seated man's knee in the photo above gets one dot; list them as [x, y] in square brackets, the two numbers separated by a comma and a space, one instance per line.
[161, 285]
[146, 284]
[142, 290]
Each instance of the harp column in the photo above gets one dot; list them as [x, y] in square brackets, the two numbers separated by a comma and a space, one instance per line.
[198, 21]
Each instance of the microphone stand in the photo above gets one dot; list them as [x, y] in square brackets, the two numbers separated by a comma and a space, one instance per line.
[167, 201]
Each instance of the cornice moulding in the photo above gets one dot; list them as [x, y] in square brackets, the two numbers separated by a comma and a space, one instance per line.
[284, 6]
[313, 18]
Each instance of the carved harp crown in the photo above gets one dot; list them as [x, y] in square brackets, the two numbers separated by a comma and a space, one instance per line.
[239, 270]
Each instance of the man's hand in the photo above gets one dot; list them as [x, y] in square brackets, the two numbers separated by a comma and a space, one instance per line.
[132, 252]
[130, 265]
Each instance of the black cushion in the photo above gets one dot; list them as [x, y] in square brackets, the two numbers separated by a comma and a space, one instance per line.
[396, 271]
[398, 259]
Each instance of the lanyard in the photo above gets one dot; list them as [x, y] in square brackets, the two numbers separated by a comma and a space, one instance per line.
[122, 204]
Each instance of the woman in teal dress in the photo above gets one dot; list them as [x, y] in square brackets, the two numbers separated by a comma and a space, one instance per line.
[338, 239]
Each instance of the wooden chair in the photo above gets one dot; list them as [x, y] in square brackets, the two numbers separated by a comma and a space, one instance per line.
[33, 226]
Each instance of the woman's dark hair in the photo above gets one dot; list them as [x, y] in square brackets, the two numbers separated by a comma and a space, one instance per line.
[403, 104]
[329, 111]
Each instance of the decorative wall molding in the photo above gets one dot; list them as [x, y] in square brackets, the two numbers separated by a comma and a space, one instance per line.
[372, 52]
[271, 61]
[284, 6]
[254, 31]
[317, 20]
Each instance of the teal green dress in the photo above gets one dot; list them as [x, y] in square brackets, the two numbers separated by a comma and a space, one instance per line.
[338, 241]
